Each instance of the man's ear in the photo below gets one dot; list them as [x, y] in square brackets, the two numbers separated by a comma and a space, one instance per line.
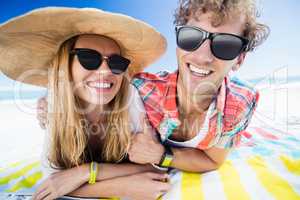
[240, 61]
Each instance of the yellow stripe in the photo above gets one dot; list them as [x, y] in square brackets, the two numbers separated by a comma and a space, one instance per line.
[28, 182]
[292, 165]
[273, 183]
[232, 184]
[191, 186]
[19, 173]
[13, 165]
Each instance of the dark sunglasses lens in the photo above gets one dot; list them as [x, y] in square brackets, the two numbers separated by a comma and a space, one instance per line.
[189, 38]
[118, 64]
[226, 47]
[89, 59]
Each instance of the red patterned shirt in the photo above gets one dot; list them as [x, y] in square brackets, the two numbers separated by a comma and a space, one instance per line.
[230, 113]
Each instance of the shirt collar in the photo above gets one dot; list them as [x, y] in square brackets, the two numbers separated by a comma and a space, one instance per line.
[171, 114]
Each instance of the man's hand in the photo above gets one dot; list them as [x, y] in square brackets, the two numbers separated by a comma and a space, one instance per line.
[145, 147]
[42, 110]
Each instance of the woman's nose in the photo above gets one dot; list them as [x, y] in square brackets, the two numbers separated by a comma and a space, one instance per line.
[104, 68]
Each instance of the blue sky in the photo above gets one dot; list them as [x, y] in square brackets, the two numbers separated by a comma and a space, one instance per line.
[281, 50]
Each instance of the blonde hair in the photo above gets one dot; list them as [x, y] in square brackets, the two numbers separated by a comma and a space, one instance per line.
[222, 10]
[69, 138]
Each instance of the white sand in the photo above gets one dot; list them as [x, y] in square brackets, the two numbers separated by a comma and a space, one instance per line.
[21, 136]
[279, 107]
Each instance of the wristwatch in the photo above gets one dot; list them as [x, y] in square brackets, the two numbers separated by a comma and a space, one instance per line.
[166, 159]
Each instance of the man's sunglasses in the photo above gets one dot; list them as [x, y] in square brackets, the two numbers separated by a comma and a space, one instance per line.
[224, 46]
[91, 60]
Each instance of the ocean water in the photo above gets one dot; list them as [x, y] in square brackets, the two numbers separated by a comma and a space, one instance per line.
[24, 95]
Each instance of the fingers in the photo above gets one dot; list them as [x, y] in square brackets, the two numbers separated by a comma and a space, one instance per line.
[42, 125]
[42, 109]
[165, 186]
[145, 123]
[157, 176]
[41, 192]
[160, 194]
[43, 195]
[49, 197]
[42, 118]
[42, 103]
[147, 128]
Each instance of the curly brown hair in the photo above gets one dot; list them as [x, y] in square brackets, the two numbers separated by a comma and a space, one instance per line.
[222, 10]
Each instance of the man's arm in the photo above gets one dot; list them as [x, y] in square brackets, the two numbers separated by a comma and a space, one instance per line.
[145, 149]
[196, 160]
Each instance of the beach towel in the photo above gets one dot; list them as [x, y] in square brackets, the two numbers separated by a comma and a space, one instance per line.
[265, 167]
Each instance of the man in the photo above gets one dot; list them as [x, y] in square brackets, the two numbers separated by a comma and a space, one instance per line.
[199, 111]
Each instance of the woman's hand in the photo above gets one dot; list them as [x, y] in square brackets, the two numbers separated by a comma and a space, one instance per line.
[143, 186]
[42, 110]
[61, 183]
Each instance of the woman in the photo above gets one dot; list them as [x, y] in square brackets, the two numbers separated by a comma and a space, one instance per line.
[87, 53]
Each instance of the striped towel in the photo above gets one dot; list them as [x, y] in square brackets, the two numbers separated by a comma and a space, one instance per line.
[265, 167]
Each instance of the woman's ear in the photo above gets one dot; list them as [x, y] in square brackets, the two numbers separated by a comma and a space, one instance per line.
[239, 62]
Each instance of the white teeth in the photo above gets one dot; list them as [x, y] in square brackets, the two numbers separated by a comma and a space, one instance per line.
[100, 85]
[197, 70]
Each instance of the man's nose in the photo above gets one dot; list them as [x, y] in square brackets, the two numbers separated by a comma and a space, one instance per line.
[204, 52]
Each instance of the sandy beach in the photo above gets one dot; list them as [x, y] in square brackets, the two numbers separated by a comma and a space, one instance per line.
[21, 136]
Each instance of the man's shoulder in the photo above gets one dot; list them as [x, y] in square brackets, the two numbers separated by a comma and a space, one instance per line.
[241, 101]
[147, 76]
[151, 79]
[241, 91]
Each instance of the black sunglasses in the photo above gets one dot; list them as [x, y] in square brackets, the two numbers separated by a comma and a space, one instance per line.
[224, 46]
[91, 59]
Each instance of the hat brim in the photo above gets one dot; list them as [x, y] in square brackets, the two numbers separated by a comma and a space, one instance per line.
[28, 43]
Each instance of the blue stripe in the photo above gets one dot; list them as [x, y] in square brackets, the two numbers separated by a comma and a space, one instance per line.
[242, 83]
[137, 82]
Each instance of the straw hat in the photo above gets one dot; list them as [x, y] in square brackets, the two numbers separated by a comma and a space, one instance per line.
[28, 43]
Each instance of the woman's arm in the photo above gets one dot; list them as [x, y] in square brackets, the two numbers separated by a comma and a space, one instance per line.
[63, 182]
[109, 171]
[140, 186]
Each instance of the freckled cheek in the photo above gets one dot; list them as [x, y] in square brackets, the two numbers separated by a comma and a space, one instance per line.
[119, 80]
[78, 72]
[223, 67]
[181, 57]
